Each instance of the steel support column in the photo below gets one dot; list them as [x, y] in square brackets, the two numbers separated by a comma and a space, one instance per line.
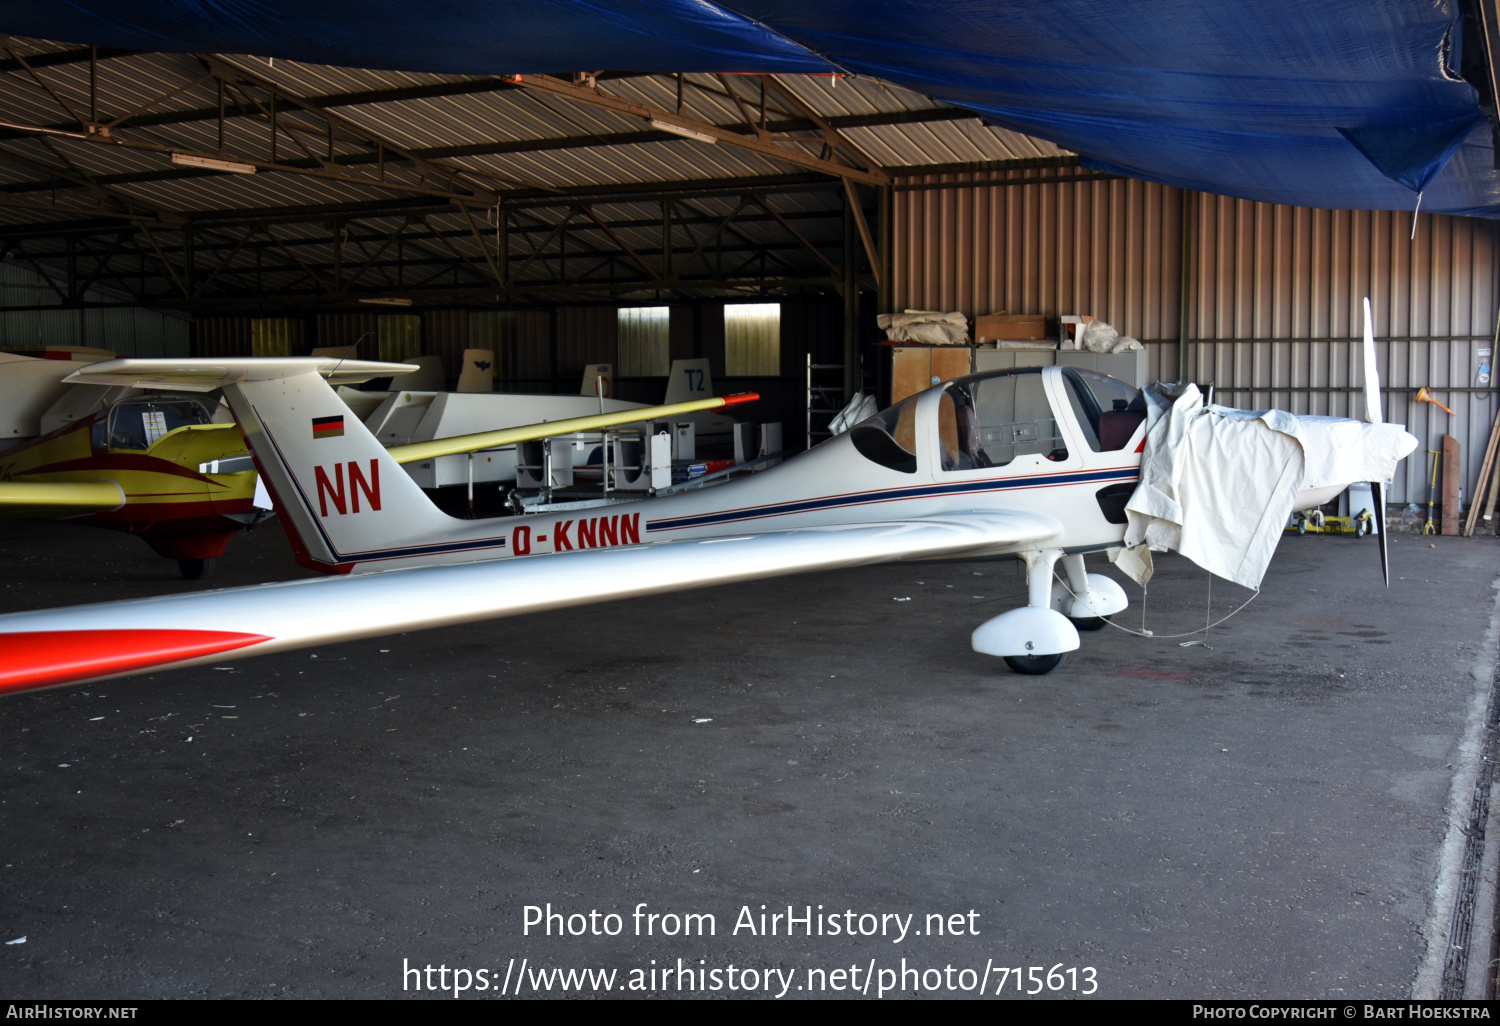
[886, 287]
[852, 377]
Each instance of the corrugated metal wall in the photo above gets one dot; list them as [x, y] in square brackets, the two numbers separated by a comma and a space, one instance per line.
[1273, 296]
[1107, 246]
[400, 336]
[530, 360]
[585, 334]
[221, 336]
[532, 363]
[445, 333]
[129, 331]
[347, 329]
[278, 336]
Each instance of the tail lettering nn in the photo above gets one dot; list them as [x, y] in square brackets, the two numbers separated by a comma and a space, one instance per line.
[332, 490]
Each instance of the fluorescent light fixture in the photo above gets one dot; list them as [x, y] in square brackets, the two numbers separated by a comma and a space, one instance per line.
[686, 133]
[211, 164]
[387, 301]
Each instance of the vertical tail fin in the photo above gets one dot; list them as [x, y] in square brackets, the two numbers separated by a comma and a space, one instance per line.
[689, 380]
[341, 497]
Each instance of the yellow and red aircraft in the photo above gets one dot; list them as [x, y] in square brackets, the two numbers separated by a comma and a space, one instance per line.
[156, 466]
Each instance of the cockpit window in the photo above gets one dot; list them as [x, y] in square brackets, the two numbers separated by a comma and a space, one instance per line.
[989, 420]
[1107, 409]
[890, 437]
[138, 423]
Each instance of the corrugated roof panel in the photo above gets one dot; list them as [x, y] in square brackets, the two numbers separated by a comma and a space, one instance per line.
[947, 142]
[474, 114]
[853, 95]
[320, 79]
[504, 116]
[124, 85]
[226, 192]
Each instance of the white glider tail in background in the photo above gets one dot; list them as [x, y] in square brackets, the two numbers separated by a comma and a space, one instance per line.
[1037, 463]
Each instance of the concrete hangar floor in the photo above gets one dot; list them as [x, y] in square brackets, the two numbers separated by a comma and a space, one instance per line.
[1263, 818]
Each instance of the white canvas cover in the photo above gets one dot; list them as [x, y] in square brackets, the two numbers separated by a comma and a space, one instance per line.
[1218, 484]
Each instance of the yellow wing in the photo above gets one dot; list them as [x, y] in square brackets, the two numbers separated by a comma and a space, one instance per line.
[456, 444]
[43, 500]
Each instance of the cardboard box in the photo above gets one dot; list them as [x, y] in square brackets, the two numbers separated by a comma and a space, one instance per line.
[1010, 327]
[917, 368]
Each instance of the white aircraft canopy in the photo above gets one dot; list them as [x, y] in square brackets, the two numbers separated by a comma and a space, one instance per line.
[988, 420]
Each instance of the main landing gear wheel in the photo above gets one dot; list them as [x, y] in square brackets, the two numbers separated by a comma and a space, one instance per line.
[1088, 623]
[197, 569]
[1035, 664]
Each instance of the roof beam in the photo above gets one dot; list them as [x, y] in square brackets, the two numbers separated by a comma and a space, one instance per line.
[485, 293]
[565, 142]
[710, 188]
[857, 212]
[496, 148]
[111, 201]
[575, 142]
[588, 97]
[63, 57]
[206, 245]
[830, 132]
[308, 266]
[781, 219]
[457, 178]
[310, 167]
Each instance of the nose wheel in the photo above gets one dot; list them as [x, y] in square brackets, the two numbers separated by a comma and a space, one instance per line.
[196, 569]
[1035, 665]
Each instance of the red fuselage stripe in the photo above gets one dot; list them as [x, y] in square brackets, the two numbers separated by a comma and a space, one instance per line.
[38, 659]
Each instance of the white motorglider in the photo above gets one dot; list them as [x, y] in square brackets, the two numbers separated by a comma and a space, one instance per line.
[1036, 463]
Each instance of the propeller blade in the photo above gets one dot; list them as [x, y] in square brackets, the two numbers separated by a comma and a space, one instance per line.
[1373, 413]
[1377, 499]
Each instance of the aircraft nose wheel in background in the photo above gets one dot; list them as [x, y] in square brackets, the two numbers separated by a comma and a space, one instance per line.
[1035, 664]
[197, 569]
[1088, 623]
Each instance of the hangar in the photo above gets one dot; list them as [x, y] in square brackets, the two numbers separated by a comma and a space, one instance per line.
[163, 193]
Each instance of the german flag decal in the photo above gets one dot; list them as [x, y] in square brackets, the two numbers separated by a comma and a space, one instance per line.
[328, 427]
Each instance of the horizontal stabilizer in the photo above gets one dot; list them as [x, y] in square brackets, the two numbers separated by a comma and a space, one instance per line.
[205, 375]
[48, 499]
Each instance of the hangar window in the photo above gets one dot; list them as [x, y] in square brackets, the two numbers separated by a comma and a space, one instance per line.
[645, 341]
[752, 340]
[989, 420]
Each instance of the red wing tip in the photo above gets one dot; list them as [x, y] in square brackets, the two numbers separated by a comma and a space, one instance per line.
[741, 398]
[39, 659]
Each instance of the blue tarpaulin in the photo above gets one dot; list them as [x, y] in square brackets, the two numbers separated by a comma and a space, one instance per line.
[1341, 103]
